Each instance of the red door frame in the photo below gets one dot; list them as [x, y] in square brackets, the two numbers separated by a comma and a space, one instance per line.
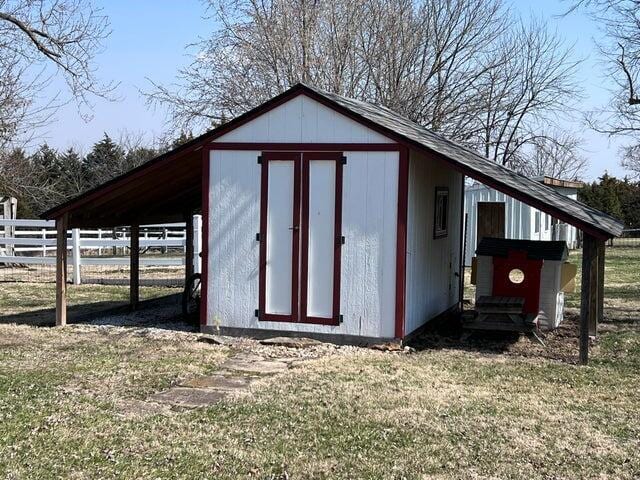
[267, 157]
[403, 187]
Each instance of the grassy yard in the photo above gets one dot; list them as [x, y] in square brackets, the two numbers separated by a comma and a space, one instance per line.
[72, 404]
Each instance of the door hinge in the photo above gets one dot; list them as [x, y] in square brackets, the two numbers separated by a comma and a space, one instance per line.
[344, 160]
[258, 237]
[256, 313]
[259, 159]
[341, 318]
[342, 240]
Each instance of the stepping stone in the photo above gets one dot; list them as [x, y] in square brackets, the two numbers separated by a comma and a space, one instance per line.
[261, 367]
[291, 342]
[189, 397]
[219, 382]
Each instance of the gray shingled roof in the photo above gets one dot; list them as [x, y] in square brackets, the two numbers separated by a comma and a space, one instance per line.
[479, 167]
[536, 250]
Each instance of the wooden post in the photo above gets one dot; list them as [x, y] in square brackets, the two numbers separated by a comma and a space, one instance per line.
[600, 290]
[589, 294]
[61, 271]
[188, 255]
[134, 266]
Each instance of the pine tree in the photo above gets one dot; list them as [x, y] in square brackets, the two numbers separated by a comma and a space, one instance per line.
[103, 162]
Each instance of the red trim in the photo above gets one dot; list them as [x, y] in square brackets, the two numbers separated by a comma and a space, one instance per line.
[264, 197]
[205, 237]
[304, 268]
[401, 241]
[308, 147]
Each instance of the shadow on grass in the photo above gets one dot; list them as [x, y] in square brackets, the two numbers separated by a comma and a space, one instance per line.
[447, 332]
[162, 312]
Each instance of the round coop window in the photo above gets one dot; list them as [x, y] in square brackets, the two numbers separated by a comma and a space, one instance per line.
[516, 276]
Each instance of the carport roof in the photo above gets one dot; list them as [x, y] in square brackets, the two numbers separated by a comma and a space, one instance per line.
[175, 176]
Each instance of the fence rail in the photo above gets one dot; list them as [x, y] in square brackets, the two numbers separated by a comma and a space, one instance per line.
[33, 242]
[630, 238]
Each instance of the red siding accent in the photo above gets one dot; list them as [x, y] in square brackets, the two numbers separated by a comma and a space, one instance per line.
[304, 268]
[264, 196]
[401, 241]
[205, 237]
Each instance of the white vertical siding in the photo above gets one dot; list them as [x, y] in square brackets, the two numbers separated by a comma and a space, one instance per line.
[303, 120]
[519, 219]
[432, 286]
[369, 225]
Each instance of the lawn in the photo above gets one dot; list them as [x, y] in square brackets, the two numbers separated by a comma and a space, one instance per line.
[70, 398]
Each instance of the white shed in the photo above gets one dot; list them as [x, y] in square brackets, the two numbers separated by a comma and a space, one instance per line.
[521, 221]
[322, 216]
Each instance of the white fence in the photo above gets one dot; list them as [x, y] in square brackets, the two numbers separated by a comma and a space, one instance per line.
[33, 242]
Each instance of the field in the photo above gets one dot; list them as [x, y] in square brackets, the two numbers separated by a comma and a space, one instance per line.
[73, 401]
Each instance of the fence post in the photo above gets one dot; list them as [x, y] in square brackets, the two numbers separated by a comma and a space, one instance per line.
[75, 245]
[197, 243]
[44, 247]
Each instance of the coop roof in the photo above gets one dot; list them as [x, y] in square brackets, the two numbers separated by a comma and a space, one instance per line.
[170, 184]
[536, 249]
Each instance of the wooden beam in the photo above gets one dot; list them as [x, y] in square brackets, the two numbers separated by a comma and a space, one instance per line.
[189, 256]
[588, 297]
[600, 308]
[134, 266]
[61, 270]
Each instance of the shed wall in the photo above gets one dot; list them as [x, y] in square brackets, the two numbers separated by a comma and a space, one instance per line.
[520, 218]
[303, 120]
[369, 223]
[432, 264]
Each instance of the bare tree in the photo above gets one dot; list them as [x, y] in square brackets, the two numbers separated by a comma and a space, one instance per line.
[467, 68]
[38, 39]
[619, 21]
[557, 154]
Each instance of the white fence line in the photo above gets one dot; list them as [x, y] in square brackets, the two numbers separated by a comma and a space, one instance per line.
[36, 244]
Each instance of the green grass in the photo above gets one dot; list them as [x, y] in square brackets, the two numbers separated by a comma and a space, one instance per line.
[68, 400]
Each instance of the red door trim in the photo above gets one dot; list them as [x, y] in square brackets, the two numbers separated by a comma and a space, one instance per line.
[304, 265]
[401, 241]
[204, 281]
[262, 276]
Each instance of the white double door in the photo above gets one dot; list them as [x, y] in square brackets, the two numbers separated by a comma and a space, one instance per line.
[300, 237]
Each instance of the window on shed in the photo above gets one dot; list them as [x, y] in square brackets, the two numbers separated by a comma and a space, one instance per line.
[441, 214]
[547, 221]
[536, 223]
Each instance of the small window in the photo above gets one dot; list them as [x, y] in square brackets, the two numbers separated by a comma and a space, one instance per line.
[547, 222]
[441, 214]
[536, 223]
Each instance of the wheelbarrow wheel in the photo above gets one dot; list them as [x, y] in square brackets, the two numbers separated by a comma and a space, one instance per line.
[191, 297]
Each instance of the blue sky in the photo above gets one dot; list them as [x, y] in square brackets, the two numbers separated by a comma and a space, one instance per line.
[149, 37]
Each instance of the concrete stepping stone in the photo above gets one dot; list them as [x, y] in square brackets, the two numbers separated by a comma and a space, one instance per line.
[219, 382]
[189, 397]
[260, 367]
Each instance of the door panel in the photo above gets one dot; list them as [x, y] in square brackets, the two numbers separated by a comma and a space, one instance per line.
[321, 238]
[279, 261]
[300, 232]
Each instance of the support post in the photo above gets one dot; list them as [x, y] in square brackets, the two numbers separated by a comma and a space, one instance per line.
[61, 271]
[75, 255]
[600, 308]
[589, 294]
[134, 267]
[188, 255]
[197, 243]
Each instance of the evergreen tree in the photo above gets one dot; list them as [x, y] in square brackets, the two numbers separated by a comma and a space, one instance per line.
[103, 162]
